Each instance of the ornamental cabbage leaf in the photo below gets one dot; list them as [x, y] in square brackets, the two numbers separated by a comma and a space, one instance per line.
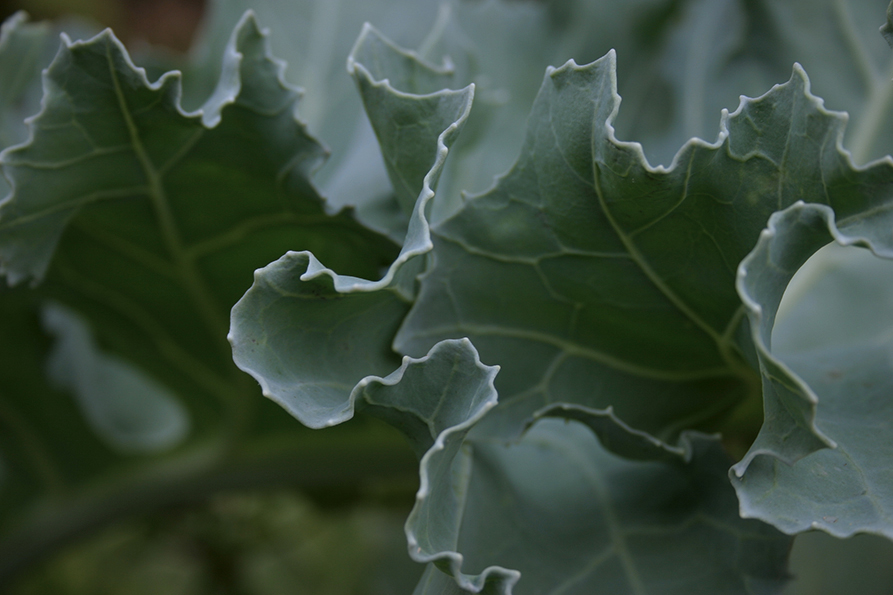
[844, 490]
[592, 329]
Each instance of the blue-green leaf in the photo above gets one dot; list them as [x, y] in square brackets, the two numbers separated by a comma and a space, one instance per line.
[131, 411]
[308, 334]
[832, 393]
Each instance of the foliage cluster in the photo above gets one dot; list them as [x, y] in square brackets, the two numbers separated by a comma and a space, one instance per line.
[616, 376]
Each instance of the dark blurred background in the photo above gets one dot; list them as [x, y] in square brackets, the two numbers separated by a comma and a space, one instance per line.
[169, 23]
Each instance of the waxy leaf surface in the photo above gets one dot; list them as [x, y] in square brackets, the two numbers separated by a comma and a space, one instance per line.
[308, 334]
[611, 283]
[296, 303]
[837, 388]
[627, 515]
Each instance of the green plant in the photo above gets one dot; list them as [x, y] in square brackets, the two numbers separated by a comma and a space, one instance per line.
[560, 348]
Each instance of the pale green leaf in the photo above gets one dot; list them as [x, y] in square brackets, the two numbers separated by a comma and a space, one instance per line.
[308, 334]
[435, 582]
[835, 389]
[594, 278]
[314, 38]
[128, 409]
[404, 129]
[683, 62]
[25, 48]
[136, 185]
[485, 508]
[707, 53]
[502, 47]
[141, 144]
[547, 280]
[667, 524]
[887, 28]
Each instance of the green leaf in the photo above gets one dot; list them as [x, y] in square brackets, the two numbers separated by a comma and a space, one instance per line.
[135, 183]
[404, 128]
[683, 62]
[130, 411]
[834, 390]
[666, 523]
[140, 143]
[486, 507]
[289, 310]
[288, 330]
[852, 73]
[148, 221]
[595, 279]
[708, 53]
[434, 401]
[25, 48]
[313, 38]
[887, 28]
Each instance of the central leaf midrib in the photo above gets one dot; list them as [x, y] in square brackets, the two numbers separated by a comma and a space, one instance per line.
[724, 346]
[213, 318]
[188, 276]
[643, 265]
